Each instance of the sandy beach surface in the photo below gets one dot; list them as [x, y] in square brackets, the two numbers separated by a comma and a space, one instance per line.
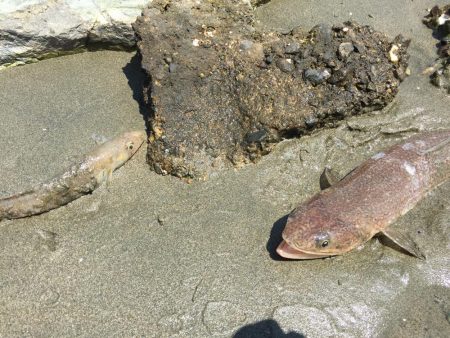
[152, 256]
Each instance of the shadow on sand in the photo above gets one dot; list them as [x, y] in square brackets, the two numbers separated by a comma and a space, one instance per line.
[137, 80]
[268, 328]
[275, 238]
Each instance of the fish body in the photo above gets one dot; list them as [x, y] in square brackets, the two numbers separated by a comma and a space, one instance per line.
[80, 179]
[369, 199]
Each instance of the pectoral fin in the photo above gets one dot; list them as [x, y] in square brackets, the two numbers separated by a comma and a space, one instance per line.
[328, 178]
[404, 242]
[108, 177]
[104, 176]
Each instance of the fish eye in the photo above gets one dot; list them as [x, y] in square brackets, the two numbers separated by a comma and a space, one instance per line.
[322, 240]
[130, 146]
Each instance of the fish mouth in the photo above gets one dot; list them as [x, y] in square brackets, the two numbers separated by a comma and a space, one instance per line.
[286, 251]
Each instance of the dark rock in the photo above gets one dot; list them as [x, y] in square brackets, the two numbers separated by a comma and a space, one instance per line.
[341, 76]
[438, 19]
[285, 65]
[441, 76]
[316, 76]
[230, 103]
[269, 59]
[444, 30]
[435, 16]
[256, 136]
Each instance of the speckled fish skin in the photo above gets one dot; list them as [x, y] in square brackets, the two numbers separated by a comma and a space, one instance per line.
[79, 180]
[369, 199]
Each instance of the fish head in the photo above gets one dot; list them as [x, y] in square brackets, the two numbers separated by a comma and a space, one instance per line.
[312, 232]
[114, 153]
[126, 146]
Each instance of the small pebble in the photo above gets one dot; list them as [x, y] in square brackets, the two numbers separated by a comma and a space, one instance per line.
[393, 57]
[345, 49]
[269, 59]
[292, 48]
[161, 220]
[315, 76]
[285, 65]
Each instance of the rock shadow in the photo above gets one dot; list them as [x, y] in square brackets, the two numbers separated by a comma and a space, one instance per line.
[258, 3]
[275, 238]
[137, 80]
[268, 328]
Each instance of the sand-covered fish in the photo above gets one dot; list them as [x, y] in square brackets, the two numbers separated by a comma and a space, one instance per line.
[81, 179]
[368, 200]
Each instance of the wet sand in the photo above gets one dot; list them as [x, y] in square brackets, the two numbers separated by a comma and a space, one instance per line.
[152, 256]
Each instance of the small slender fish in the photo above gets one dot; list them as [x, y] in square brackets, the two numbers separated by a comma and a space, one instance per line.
[81, 179]
[368, 200]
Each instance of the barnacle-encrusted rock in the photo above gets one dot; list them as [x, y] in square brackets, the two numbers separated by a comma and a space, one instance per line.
[438, 19]
[222, 94]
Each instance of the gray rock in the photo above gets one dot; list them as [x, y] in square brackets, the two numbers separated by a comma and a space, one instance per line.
[292, 48]
[37, 29]
[285, 65]
[316, 76]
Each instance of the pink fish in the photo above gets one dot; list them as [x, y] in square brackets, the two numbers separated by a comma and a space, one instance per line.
[368, 200]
